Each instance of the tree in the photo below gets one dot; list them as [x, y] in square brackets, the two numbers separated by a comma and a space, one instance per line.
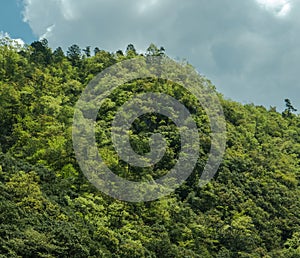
[87, 51]
[58, 55]
[131, 51]
[120, 53]
[41, 53]
[153, 50]
[289, 108]
[74, 54]
[96, 50]
[49, 209]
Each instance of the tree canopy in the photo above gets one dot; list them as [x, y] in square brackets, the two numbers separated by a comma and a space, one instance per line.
[49, 209]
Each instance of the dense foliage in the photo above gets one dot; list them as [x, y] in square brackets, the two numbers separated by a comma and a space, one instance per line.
[49, 209]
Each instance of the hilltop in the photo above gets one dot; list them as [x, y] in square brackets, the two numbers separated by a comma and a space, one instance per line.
[49, 209]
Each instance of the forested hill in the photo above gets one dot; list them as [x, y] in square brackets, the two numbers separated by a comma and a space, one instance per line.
[49, 209]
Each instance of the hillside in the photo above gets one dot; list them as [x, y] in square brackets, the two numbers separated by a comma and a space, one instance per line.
[49, 209]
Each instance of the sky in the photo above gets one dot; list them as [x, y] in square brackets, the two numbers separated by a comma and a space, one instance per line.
[249, 49]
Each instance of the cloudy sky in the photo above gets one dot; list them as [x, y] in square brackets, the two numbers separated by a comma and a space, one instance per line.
[250, 49]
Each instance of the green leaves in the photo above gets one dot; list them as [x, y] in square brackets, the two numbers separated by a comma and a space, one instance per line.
[49, 209]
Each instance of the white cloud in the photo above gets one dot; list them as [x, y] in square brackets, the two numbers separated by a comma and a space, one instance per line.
[145, 5]
[68, 9]
[48, 32]
[42, 15]
[280, 8]
[14, 42]
[243, 49]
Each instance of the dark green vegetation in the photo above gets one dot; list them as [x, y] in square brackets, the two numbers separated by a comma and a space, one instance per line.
[49, 209]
